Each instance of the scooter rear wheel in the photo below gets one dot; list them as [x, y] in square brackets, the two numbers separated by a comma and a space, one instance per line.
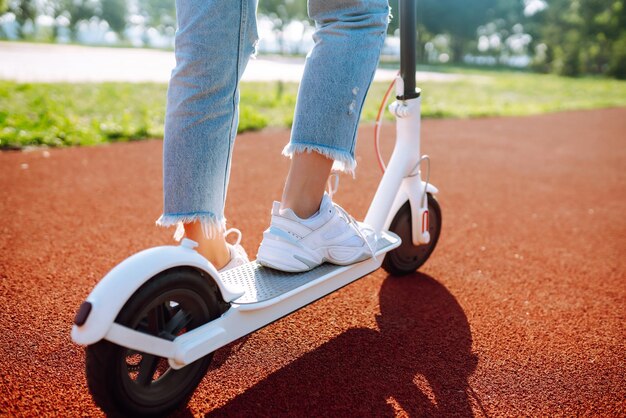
[130, 383]
[408, 257]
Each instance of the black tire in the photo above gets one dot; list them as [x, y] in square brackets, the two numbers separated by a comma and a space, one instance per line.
[125, 382]
[407, 258]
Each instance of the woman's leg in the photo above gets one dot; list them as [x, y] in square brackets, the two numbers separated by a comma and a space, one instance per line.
[337, 76]
[214, 41]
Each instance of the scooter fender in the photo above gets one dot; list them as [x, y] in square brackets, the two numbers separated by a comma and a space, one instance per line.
[411, 189]
[111, 293]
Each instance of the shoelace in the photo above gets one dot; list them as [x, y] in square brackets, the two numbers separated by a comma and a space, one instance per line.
[351, 221]
[241, 253]
[333, 186]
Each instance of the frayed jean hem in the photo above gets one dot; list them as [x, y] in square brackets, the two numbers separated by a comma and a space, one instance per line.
[211, 224]
[344, 160]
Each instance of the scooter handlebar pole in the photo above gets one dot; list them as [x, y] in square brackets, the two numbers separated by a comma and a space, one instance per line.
[406, 108]
[407, 10]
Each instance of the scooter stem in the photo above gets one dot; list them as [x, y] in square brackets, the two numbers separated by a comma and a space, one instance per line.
[407, 10]
[404, 158]
[406, 108]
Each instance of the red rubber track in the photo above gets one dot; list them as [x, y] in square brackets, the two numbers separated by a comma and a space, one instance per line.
[519, 312]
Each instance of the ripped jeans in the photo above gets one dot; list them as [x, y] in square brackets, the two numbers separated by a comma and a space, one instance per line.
[214, 41]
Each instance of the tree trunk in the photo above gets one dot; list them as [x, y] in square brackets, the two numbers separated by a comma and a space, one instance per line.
[457, 46]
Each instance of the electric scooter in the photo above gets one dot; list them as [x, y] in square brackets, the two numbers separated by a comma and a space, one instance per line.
[151, 324]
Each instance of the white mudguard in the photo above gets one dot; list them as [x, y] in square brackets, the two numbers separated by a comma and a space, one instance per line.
[112, 292]
[411, 189]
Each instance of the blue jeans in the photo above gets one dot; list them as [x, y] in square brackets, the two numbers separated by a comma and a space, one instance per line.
[214, 41]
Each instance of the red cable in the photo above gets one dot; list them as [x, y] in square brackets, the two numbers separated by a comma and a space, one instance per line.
[381, 164]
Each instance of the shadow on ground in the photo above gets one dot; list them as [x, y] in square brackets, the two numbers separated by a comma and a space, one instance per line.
[418, 362]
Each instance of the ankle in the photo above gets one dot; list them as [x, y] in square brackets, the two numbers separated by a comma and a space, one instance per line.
[218, 257]
[213, 249]
[303, 208]
[305, 183]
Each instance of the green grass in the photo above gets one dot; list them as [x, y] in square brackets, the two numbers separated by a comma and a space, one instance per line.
[82, 114]
[480, 94]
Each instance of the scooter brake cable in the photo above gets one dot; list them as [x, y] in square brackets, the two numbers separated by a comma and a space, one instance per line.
[378, 125]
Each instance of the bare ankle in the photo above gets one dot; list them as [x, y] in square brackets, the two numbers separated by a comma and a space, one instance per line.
[302, 208]
[218, 258]
[213, 249]
[305, 183]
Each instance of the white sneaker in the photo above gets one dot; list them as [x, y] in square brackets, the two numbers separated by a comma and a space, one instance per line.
[238, 255]
[293, 244]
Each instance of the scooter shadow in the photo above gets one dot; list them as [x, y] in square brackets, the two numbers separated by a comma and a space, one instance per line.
[418, 363]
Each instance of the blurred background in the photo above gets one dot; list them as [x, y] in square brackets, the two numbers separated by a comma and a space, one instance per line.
[79, 72]
[569, 37]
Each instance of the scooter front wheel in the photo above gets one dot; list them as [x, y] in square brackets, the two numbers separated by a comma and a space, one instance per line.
[408, 257]
[131, 383]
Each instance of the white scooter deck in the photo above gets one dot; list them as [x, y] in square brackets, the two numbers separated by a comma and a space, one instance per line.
[262, 284]
[269, 295]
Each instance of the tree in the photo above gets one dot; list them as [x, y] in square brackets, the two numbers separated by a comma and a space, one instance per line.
[114, 12]
[585, 36]
[159, 13]
[603, 23]
[285, 10]
[458, 18]
[25, 11]
[77, 10]
[617, 63]
[423, 36]
[282, 12]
